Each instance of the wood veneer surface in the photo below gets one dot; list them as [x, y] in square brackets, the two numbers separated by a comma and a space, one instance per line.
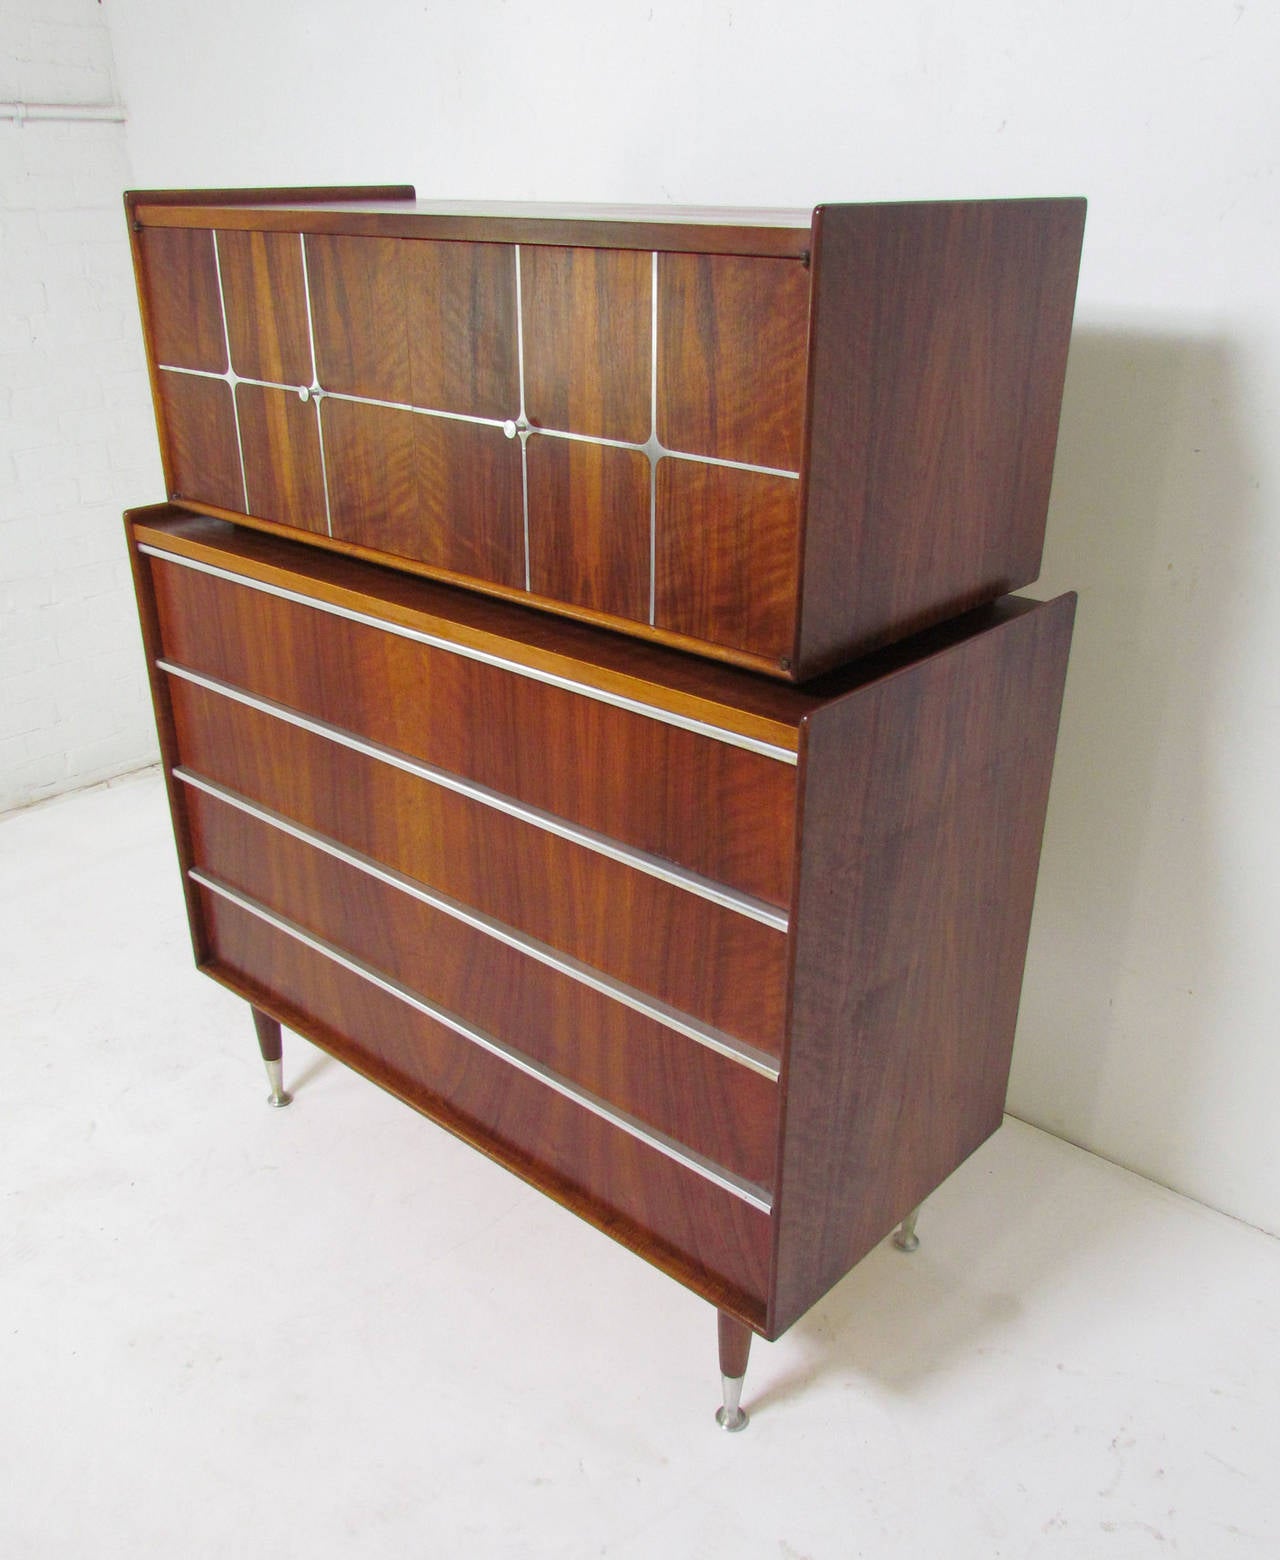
[710, 1103]
[905, 361]
[938, 350]
[716, 809]
[923, 803]
[280, 444]
[266, 306]
[670, 1209]
[707, 960]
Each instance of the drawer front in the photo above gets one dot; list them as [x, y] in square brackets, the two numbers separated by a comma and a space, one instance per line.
[712, 807]
[712, 1239]
[706, 959]
[716, 1104]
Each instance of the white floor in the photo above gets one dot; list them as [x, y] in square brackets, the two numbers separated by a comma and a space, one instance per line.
[333, 1331]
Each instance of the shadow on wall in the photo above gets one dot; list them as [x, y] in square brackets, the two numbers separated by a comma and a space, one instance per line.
[1154, 509]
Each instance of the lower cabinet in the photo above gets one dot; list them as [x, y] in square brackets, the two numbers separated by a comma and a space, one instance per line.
[729, 968]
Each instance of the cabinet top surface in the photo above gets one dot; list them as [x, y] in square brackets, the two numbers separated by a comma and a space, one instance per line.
[393, 211]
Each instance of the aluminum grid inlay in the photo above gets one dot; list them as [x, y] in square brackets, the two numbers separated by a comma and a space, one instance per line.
[516, 426]
[739, 1187]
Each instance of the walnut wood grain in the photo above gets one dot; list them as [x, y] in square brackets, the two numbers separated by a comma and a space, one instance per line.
[178, 272]
[718, 810]
[460, 315]
[270, 1040]
[735, 1345]
[718, 1242]
[918, 399]
[938, 349]
[445, 493]
[266, 303]
[726, 557]
[203, 451]
[470, 503]
[589, 525]
[922, 809]
[709, 961]
[732, 345]
[686, 685]
[588, 341]
[704, 1100]
[358, 310]
[166, 733]
[372, 470]
[280, 441]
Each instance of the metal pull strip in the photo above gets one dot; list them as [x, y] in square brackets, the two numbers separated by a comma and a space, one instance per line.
[660, 1012]
[620, 701]
[748, 1191]
[601, 844]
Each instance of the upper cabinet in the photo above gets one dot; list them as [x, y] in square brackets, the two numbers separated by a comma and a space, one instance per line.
[779, 439]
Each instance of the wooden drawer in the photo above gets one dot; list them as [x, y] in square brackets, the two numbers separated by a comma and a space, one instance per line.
[690, 1084]
[779, 439]
[711, 961]
[625, 1032]
[716, 1239]
[718, 809]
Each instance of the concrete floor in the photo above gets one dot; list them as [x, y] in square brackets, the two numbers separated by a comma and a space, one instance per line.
[334, 1331]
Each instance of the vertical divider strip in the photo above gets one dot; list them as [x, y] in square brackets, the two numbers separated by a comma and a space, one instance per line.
[654, 456]
[316, 393]
[523, 424]
[231, 368]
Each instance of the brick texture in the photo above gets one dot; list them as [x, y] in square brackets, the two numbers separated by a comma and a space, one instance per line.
[77, 441]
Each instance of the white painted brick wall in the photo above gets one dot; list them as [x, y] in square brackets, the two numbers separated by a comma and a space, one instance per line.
[77, 439]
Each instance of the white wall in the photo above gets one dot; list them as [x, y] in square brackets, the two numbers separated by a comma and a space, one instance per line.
[1151, 1015]
[76, 440]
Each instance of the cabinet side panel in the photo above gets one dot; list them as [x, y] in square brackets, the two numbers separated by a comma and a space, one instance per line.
[938, 351]
[923, 803]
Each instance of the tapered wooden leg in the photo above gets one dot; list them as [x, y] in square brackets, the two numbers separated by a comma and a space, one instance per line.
[272, 1048]
[735, 1345]
[905, 1237]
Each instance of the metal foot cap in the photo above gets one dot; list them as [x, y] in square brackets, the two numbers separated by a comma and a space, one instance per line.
[734, 1420]
[279, 1101]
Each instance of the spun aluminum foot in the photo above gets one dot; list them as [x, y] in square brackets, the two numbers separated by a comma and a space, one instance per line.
[735, 1346]
[905, 1237]
[272, 1048]
[279, 1096]
[732, 1416]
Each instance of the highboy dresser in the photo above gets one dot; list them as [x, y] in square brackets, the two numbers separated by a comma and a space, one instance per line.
[728, 963]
